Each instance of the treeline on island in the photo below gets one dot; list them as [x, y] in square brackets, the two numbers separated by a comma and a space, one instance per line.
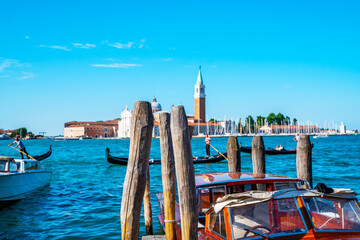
[272, 119]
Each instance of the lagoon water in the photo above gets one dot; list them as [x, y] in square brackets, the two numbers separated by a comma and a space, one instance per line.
[83, 199]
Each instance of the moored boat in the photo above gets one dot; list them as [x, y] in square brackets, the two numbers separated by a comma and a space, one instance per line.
[21, 177]
[263, 206]
[270, 151]
[196, 160]
[43, 156]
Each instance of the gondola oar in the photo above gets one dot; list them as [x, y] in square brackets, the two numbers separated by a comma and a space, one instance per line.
[24, 153]
[218, 151]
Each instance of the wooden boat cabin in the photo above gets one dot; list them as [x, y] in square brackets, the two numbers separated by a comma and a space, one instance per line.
[212, 186]
[285, 214]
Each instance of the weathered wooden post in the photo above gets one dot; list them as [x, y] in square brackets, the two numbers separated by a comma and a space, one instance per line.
[304, 159]
[142, 123]
[233, 154]
[185, 173]
[168, 175]
[147, 206]
[258, 154]
[191, 129]
[258, 159]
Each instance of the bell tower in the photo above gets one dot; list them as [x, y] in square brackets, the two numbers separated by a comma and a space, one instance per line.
[199, 97]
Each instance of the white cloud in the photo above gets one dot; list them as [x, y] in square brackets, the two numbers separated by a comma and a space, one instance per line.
[27, 75]
[12, 68]
[121, 46]
[128, 45]
[5, 63]
[117, 65]
[57, 47]
[84, 45]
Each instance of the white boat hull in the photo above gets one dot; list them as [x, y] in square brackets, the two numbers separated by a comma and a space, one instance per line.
[15, 186]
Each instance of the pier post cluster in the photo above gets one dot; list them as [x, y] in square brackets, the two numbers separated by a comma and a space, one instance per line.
[303, 157]
[176, 156]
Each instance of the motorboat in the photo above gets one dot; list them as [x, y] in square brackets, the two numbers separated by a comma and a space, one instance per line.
[21, 177]
[321, 135]
[4, 137]
[263, 206]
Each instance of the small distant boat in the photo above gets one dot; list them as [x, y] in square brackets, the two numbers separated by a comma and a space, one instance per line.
[270, 151]
[43, 156]
[4, 137]
[21, 177]
[321, 135]
[196, 160]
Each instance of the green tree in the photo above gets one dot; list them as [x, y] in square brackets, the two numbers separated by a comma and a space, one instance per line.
[287, 120]
[279, 118]
[271, 118]
[260, 120]
[22, 132]
[294, 121]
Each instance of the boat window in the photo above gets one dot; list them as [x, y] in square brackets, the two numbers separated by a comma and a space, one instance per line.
[217, 192]
[31, 165]
[13, 167]
[3, 165]
[333, 214]
[247, 187]
[276, 217]
[284, 185]
[217, 224]
[204, 200]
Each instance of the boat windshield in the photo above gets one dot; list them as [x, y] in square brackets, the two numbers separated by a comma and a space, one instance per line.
[333, 213]
[4, 166]
[276, 217]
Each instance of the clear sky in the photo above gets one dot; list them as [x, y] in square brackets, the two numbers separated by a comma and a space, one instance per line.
[85, 60]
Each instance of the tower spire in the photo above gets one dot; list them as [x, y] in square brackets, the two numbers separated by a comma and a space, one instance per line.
[199, 78]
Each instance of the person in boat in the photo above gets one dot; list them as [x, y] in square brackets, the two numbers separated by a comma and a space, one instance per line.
[277, 148]
[281, 148]
[21, 145]
[207, 141]
[296, 138]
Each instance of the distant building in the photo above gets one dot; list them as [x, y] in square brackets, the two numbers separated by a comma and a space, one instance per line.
[124, 124]
[288, 129]
[342, 128]
[103, 129]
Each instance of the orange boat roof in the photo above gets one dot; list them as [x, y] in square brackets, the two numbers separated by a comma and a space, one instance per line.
[225, 177]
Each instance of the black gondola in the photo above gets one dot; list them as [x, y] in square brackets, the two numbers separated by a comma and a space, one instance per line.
[197, 160]
[270, 151]
[43, 156]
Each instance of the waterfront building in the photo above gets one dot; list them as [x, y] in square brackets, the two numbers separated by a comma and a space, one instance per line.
[288, 129]
[100, 129]
[124, 124]
[342, 128]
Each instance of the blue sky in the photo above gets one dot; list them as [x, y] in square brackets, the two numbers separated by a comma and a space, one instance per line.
[85, 60]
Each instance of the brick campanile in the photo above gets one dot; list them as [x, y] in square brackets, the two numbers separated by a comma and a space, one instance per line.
[199, 97]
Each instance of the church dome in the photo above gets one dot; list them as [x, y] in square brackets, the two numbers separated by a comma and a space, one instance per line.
[155, 105]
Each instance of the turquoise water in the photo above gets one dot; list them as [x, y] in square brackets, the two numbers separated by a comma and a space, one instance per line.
[83, 199]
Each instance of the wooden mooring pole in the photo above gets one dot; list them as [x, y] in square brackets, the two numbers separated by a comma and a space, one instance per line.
[147, 206]
[142, 123]
[304, 159]
[168, 175]
[233, 154]
[258, 154]
[185, 173]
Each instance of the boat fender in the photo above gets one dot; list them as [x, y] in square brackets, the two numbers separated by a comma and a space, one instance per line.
[321, 187]
[151, 160]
